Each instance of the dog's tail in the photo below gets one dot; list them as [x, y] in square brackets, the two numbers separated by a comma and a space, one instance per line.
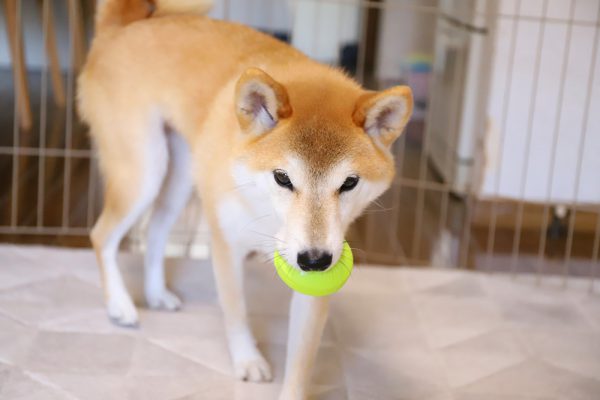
[118, 13]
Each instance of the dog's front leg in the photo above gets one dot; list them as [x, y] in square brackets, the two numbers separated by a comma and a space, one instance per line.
[249, 364]
[307, 320]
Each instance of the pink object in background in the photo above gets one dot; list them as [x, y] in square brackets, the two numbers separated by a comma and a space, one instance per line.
[417, 73]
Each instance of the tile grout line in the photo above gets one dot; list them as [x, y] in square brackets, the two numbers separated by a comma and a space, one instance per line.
[44, 381]
[228, 374]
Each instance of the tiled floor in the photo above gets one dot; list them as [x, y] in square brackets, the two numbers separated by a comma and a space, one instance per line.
[418, 334]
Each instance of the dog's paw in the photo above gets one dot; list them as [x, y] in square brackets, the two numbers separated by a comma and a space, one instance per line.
[254, 369]
[122, 311]
[165, 300]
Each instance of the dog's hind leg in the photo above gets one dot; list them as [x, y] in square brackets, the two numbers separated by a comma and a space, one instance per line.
[174, 195]
[133, 164]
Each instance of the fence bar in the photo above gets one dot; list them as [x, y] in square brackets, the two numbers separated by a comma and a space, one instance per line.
[455, 126]
[549, 181]
[527, 150]
[422, 179]
[19, 64]
[45, 230]
[422, 183]
[584, 134]
[93, 173]
[398, 250]
[434, 10]
[498, 176]
[362, 54]
[43, 118]
[595, 251]
[73, 15]
[361, 76]
[416, 244]
[35, 151]
[463, 256]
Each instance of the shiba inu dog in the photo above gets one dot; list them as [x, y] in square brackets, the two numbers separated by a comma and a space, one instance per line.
[277, 145]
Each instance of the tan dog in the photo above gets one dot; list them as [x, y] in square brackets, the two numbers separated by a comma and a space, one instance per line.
[278, 147]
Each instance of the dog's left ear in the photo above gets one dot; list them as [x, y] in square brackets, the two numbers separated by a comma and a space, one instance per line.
[383, 115]
[260, 102]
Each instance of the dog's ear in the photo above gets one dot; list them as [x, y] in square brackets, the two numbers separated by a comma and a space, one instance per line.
[260, 102]
[383, 115]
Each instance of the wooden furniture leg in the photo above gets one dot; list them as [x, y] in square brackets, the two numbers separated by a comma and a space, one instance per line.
[58, 86]
[17, 49]
[78, 34]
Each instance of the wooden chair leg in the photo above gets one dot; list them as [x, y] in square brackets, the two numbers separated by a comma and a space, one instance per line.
[76, 29]
[17, 50]
[58, 86]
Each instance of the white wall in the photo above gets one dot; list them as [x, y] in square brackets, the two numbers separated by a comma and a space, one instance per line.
[403, 32]
[321, 28]
[509, 163]
[273, 15]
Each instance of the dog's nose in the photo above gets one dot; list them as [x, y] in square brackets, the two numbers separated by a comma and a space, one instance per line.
[314, 260]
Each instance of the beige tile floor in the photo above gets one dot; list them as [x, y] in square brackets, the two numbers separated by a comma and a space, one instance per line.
[421, 334]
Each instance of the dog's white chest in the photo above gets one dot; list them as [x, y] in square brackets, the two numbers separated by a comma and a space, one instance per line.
[247, 217]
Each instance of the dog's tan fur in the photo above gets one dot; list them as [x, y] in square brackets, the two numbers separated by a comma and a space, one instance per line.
[207, 81]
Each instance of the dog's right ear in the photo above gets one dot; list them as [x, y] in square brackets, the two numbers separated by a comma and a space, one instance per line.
[260, 102]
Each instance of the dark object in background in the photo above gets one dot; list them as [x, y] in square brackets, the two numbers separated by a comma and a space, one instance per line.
[558, 227]
[348, 53]
[349, 57]
[284, 36]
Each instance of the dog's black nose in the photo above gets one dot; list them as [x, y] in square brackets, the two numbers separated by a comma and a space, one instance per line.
[314, 260]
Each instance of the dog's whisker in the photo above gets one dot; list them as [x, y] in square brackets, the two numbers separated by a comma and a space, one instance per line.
[377, 203]
[269, 236]
[343, 264]
[357, 249]
[241, 186]
[253, 221]
[265, 245]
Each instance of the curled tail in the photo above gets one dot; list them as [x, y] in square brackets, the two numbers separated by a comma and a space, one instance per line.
[118, 13]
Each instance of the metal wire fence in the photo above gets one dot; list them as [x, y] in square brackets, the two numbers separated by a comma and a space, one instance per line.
[445, 208]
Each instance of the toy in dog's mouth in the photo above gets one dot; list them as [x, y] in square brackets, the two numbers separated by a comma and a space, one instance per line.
[316, 283]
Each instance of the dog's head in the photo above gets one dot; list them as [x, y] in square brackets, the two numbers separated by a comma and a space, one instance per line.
[320, 148]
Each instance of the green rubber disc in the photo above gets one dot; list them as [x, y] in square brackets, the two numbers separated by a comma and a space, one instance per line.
[316, 283]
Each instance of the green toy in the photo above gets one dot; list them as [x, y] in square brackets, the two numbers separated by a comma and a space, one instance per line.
[316, 283]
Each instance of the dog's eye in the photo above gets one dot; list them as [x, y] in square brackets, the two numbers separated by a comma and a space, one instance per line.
[282, 179]
[349, 184]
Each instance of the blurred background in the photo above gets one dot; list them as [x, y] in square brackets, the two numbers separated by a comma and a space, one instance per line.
[497, 171]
